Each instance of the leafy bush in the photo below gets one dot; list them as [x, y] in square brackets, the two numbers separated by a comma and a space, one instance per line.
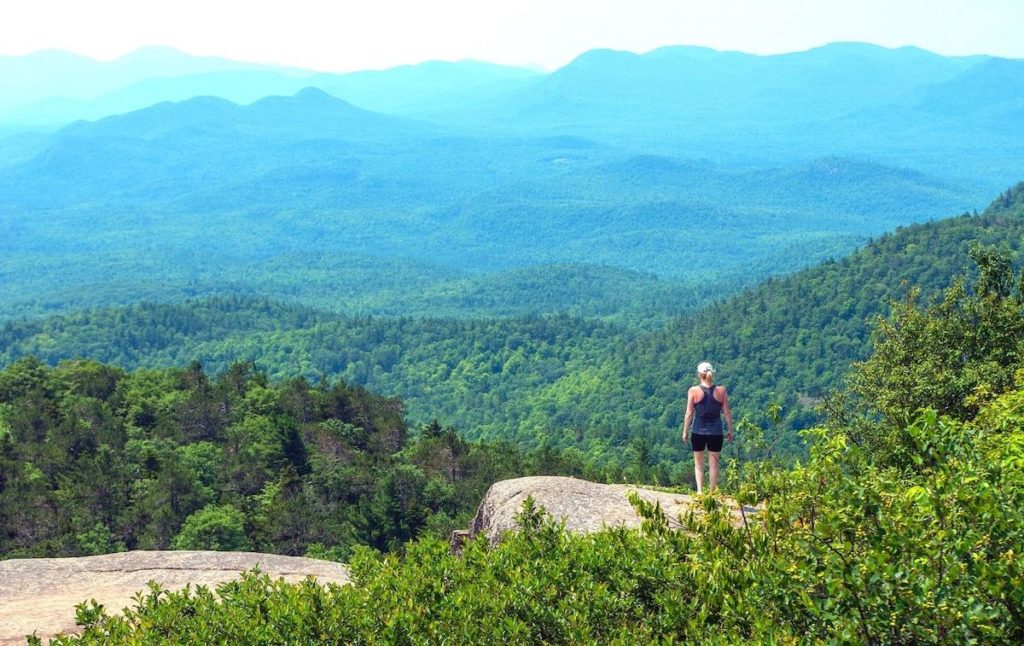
[214, 527]
[841, 550]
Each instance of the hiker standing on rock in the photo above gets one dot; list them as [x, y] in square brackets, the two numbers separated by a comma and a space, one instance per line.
[705, 405]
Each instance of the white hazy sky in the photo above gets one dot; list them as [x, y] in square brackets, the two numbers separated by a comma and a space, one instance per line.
[344, 35]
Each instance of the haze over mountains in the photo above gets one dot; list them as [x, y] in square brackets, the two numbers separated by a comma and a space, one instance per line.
[51, 88]
[888, 105]
[684, 164]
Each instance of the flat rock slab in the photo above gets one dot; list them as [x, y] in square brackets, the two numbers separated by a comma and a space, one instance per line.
[584, 506]
[40, 594]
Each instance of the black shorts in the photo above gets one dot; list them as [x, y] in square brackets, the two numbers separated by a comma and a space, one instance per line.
[712, 443]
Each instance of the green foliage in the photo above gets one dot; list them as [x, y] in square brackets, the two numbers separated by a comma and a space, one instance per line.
[953, 355]
[839, 550]
[94, 459]
[98, 540]
[213, 528]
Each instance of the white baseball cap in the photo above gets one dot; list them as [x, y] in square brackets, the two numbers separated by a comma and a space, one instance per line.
[705, 368]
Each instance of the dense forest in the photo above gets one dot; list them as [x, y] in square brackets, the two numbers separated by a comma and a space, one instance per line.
[903, 526]
[98, 458]
[560, 380]
[94, 460]
[435, 249]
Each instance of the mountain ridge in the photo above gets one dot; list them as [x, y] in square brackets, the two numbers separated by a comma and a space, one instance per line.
[900, 106]
[562, 380]
[312, 172]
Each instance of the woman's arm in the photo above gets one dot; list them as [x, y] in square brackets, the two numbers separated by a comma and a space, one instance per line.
[727, 412]
[688, 418]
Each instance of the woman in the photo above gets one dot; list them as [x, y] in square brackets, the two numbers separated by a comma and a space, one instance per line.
[705, 405]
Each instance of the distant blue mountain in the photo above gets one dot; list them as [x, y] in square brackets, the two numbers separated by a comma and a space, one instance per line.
[44, 75]
[969, 127]
[20, 146]
[237, 87]
[632, 162]
[212, 148]
[901, 107]
[430, 87]
[206, 190]
[57, 88]
[993, 86]
[677, 87]
[309, 114]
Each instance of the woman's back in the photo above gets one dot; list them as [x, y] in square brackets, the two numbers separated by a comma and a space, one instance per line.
[707, 413]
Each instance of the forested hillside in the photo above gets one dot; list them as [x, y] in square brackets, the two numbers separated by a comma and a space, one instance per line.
[95, 460]
[366, 285]
[903, 526]
[791, 339]
[560, 380]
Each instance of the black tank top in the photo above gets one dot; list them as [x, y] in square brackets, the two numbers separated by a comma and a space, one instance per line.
[708, 414]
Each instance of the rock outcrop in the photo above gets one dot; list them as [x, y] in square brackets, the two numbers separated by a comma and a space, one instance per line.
[40, 594]
[584, 506]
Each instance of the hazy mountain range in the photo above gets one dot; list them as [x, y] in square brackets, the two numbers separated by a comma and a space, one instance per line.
[906, 106]
[50, 88]
[684, 164]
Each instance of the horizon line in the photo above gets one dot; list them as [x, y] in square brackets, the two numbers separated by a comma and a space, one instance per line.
[528, 66]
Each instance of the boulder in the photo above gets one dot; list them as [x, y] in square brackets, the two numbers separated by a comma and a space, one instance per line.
[583, 506]
[40, 594]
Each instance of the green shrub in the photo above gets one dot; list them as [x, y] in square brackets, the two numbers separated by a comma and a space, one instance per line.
[841, 550]
[214, 527]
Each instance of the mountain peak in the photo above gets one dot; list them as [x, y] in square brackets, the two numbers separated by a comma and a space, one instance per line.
[310, 97]
[152, 52]
[595, 57]
[848, 46]
[690, 51]
[316, 94]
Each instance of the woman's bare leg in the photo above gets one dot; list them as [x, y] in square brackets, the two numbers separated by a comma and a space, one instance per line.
[713, 467]
[698, 469]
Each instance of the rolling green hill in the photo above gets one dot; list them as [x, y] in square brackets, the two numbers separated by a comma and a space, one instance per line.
[642, 163]
[559, 379]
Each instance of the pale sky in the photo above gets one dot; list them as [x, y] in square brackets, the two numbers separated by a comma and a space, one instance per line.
[346, 35]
